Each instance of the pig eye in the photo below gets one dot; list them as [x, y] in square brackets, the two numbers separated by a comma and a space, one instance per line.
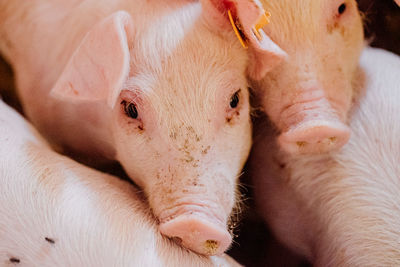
[235, 99]
[130, 109]
[342, 8]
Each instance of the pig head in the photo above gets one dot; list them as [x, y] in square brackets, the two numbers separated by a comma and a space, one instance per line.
[176, 101]
[342, 208]
[309, 94]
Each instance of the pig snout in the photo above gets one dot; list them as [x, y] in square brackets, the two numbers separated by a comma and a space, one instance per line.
[312, 125]
[193, 207]
[196, 228]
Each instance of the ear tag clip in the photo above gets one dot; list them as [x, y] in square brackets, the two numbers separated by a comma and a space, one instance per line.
[262, 21]
[237, 28]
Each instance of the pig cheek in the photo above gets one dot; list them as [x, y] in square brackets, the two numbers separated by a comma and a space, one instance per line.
[245, 135]
[128, 159]
[340, 80]
[347, 39]
[339, 92]
[235, 139]
[130, 143]
[340, 101]
[274, 91]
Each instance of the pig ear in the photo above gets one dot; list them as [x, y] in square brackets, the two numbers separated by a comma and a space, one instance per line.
[264, 53]
[100, 65]
[249, 17]
[264, 56]
[216, 12]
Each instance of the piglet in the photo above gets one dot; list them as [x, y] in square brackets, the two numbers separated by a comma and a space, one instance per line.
[341, 208]
[308, 96]
[56, 212]
[159, 86]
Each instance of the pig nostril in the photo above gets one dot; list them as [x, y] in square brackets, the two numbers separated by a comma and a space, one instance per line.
[177, 240]
[315, 137]
[333, 139]
[211, 247]
[301, 143]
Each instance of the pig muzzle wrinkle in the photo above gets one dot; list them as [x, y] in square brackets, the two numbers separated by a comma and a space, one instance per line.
[190, 208]
[311, 125]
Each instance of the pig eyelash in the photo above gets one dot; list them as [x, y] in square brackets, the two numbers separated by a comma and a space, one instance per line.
[234, 101]
[130, 109]
[234, 104]
[342, 8]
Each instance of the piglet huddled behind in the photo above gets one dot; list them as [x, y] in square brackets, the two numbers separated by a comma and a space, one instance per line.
[343, 208]
[308, 96]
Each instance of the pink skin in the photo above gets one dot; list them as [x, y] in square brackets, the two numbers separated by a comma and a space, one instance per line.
[55, 211]
[341, 208]
[308, 96]
[150, 87]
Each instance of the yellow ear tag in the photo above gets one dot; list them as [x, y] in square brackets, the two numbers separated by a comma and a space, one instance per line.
[237, 30]
[262, 21]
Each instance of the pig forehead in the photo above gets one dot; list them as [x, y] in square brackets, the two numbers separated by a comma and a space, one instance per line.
[196, 63]
[299, 21]
[180, 37]
[157, 39]
[197, 70]
[289, 15]
[204, 63]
